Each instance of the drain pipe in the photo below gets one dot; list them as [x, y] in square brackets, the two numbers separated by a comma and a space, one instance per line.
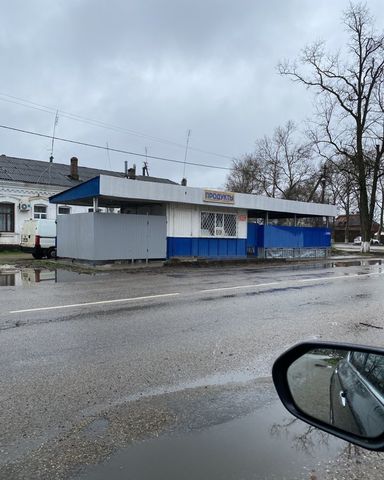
[95, 204]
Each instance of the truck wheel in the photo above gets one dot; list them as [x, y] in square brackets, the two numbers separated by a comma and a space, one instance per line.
[51, 253]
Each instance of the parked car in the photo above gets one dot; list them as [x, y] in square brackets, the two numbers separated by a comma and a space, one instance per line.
[357, 393]
[358, 240]
[38, 237]
[336, 387]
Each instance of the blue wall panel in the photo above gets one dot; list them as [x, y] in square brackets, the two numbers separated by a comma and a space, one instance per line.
[274, 236]
[206, 247]
[264, 236]
[252, 234]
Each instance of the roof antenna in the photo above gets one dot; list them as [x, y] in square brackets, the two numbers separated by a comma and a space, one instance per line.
[145, 165]
[109, 157]
[53, 135]
[186, 152]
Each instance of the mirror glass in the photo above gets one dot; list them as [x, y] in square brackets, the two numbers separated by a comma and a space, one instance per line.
[344, 389]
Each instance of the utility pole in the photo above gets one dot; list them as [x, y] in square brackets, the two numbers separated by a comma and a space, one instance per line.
[323, 182]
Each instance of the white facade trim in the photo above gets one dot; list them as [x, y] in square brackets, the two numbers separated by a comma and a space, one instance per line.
[122, 188]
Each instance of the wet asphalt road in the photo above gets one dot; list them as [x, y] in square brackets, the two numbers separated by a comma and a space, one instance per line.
[77, 353]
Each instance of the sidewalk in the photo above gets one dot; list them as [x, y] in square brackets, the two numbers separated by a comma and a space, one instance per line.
[25, 260]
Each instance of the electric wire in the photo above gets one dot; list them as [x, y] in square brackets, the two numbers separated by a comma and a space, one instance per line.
[44, 108]
[110, 149]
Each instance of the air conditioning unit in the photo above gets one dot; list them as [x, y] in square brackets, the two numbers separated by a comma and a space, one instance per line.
[219, 232]
[24, 206]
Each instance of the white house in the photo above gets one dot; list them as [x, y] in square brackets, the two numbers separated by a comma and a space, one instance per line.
[26, 185]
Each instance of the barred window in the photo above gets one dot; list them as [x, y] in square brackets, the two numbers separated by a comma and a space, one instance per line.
[218, 224]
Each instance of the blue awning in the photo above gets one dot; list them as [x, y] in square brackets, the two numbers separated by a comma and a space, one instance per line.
[82, 194]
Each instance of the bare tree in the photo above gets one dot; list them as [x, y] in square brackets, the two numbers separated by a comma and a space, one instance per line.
[280, 167]
[246, 175]
[349, 117]
[342, 190]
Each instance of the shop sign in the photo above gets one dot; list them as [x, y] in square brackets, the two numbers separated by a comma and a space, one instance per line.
[214, 196]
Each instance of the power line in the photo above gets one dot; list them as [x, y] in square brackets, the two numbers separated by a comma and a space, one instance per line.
[109, 149]
[43, 108]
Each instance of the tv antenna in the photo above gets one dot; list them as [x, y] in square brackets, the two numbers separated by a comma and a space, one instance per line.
[56, 121]
[108, 156]
[186, 151]
[145, 166]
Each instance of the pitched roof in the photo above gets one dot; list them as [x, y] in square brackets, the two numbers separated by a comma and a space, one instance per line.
[46, 173]
[354, 221]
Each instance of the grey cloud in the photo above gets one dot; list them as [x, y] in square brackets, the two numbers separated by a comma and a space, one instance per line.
[160, 67]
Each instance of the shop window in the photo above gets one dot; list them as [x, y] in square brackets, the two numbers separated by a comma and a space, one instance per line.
[218, 224]
[7, 217]
[40, 211]
[64, 210]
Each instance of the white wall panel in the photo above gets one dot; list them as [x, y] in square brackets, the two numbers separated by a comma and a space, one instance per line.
[242, 221]
[184, 220]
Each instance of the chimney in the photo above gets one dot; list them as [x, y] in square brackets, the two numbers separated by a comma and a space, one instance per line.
[74, 168]
[184, 182]
[132, 172]
[126, 169]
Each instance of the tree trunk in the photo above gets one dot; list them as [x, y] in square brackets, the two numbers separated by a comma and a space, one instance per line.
[365, 223]
[346, 232]
[381, 216]
[365, 219]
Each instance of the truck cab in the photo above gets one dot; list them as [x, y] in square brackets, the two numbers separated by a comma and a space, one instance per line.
[38, 237]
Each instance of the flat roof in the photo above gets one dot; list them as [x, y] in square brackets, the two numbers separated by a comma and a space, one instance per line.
[115, 192]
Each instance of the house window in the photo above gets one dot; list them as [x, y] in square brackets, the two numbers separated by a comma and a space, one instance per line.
[64, 210]
[218, 224]
[40, 211]
[7, 217]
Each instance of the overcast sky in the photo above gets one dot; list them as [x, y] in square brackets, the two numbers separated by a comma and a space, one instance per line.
[155, 69]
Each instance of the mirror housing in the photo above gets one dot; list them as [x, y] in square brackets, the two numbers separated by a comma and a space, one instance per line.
[281, 381]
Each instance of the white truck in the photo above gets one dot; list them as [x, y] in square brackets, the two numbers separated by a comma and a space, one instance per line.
[39, 238]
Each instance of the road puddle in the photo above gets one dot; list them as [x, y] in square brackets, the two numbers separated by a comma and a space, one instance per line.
[267, 444]
[11, 276]
[354, 263]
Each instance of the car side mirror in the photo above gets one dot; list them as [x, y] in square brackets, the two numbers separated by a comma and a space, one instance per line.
[336, 387]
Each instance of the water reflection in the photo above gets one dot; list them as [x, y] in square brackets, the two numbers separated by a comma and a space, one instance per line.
[306, 440]
[26, 277]
[7, 280]
[263, 445]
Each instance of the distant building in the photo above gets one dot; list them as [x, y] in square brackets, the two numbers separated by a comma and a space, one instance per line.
[26, 185]
[349, 228]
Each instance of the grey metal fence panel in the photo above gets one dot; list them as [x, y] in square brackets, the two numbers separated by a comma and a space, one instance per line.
[75, 234]
[126, 237]
[109, 236]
